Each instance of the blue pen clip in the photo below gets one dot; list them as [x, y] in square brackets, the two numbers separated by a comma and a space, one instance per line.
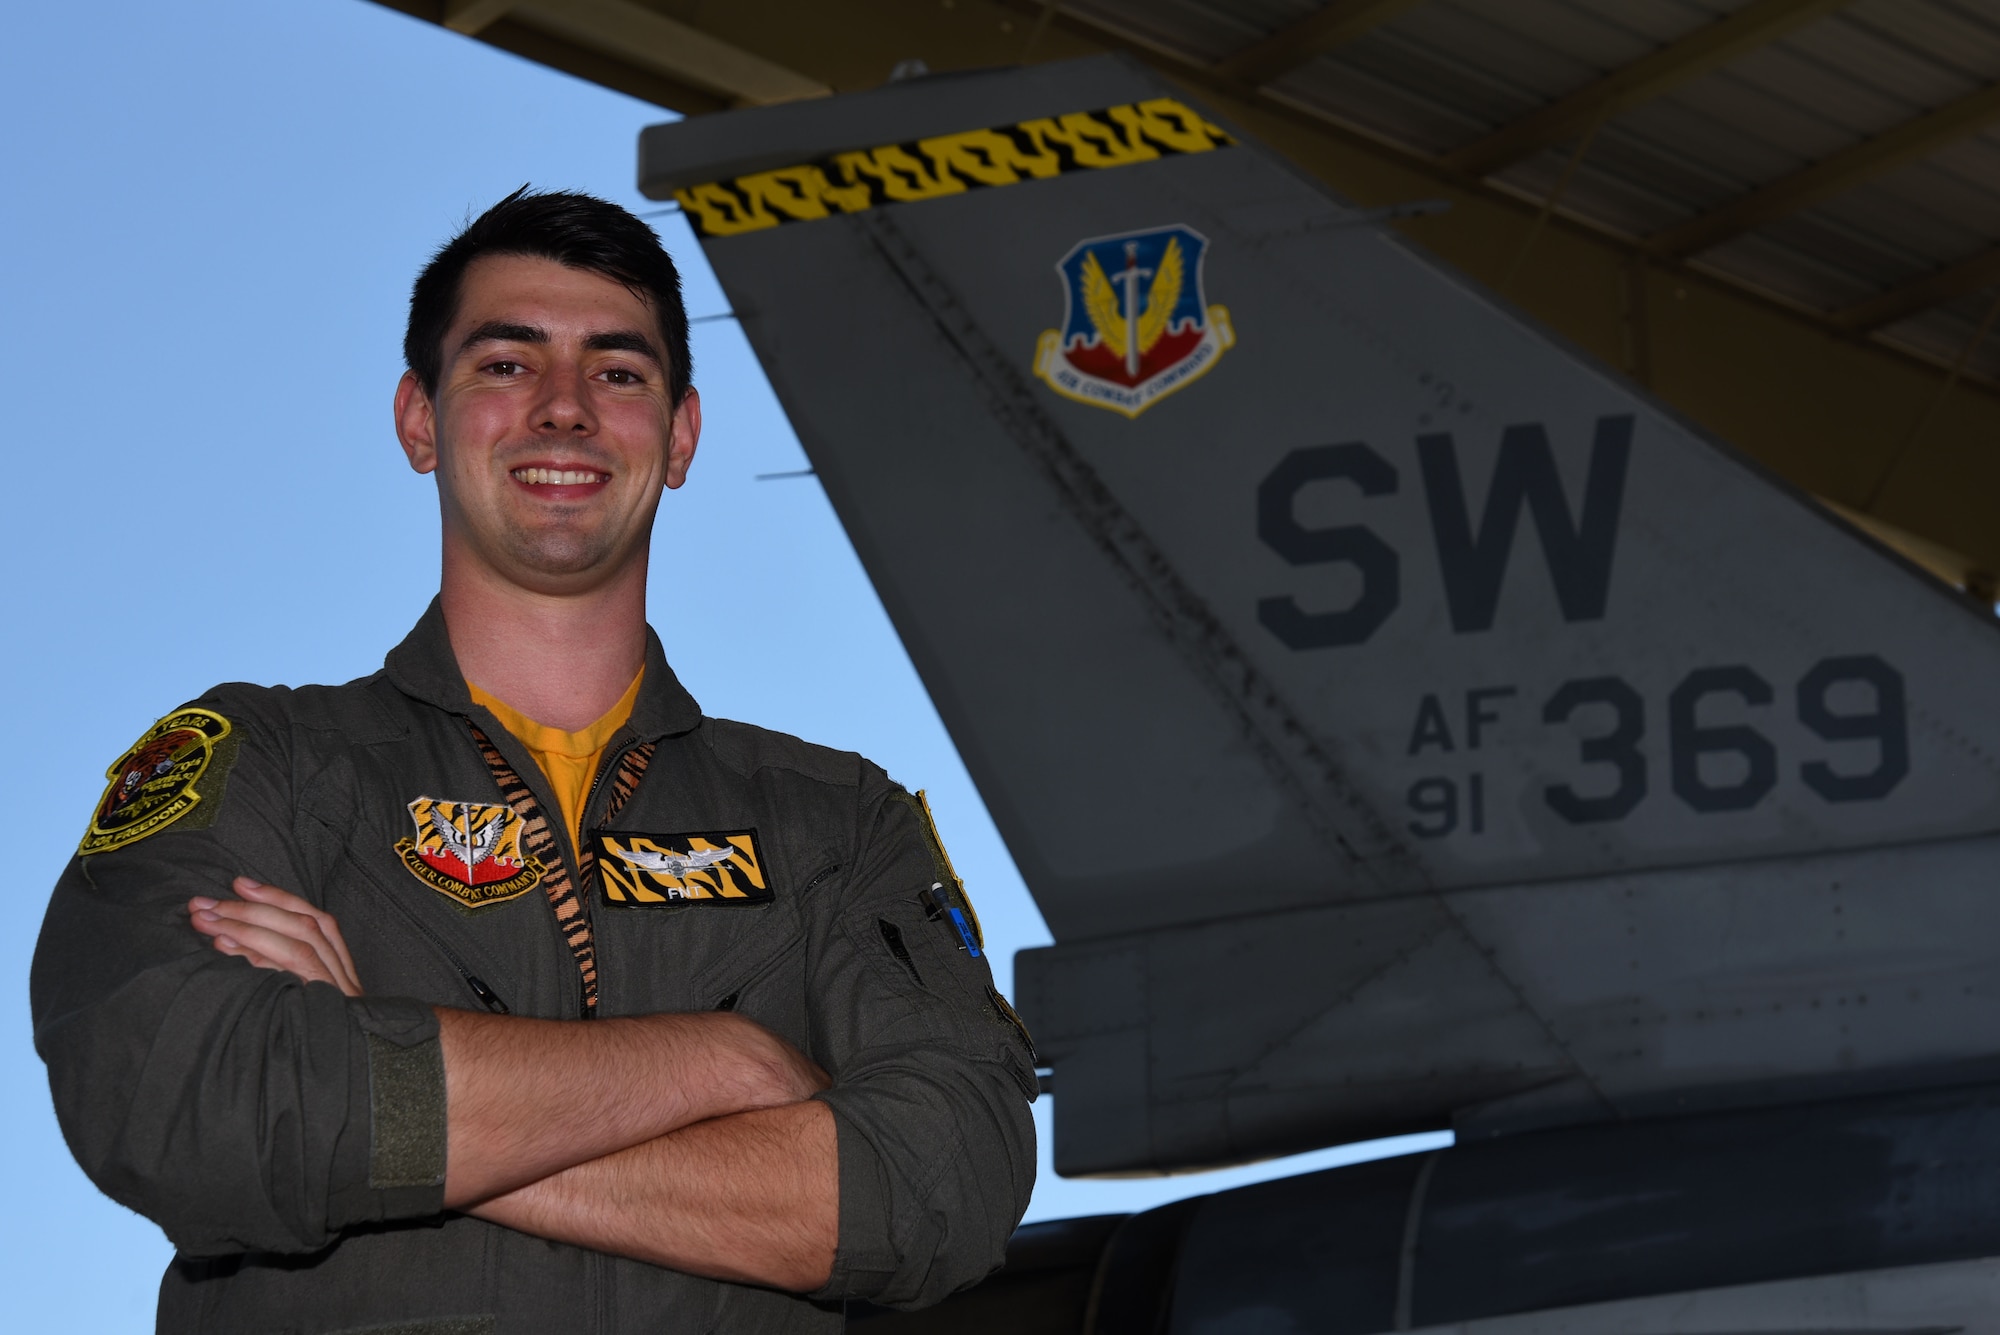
[964, 933]
[937, 906]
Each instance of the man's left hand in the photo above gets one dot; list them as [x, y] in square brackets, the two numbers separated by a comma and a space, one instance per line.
[276, 930]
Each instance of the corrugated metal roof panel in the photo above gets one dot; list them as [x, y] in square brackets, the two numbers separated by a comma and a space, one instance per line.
[1207, 31]
[1947, 332]
[1961, 36]
[1786, 272]
[1454, 75]
[1622, 184]
[1871, 260]
[1381, 100]
[1934, 217]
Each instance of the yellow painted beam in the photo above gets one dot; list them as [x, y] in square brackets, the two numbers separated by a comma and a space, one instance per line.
[1846, 169]
[649, 39]
[1950, 566]
[607, 71]
[1933, 289]
[1677, 63]
[472, 17]
[1334, 25]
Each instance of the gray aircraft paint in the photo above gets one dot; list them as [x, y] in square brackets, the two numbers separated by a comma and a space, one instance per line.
[1348, 818]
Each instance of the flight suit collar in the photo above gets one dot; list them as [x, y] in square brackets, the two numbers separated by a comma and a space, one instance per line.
[423, 666]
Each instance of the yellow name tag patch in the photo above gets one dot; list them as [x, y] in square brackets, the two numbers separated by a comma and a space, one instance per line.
[707, 867]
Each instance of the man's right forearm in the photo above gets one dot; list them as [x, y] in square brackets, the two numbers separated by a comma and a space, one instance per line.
[528, 1098]
[754, 1199]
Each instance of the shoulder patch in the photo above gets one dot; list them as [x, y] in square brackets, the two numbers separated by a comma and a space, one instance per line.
[701, 867]
[469, 852]
[1008, 1016]
[955, 901]
[153, 784]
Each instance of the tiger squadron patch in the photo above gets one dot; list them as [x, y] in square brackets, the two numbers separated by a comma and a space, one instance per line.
[716, 867]
[153, 784]
[469, 851]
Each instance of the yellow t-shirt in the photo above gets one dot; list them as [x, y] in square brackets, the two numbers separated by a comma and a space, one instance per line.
[569, 760]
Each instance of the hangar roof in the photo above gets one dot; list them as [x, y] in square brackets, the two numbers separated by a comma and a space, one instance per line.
[1782, 215]
[1840, 157]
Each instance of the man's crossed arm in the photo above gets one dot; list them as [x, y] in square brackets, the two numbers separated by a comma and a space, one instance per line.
[690, 1141]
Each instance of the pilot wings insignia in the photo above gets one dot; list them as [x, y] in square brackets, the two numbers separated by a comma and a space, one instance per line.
[469, 851]
[714, 867]
[1136, 326]
[676, 865]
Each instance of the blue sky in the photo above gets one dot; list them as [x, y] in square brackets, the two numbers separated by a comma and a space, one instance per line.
[213, 210]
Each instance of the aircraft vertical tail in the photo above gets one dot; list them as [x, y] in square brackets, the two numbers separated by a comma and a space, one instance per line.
[1397, 716]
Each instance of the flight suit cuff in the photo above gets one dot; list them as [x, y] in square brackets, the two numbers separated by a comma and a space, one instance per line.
[390, 1163]
[865, 1260]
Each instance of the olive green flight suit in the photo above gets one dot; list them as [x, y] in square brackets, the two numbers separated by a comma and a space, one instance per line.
[290, 1140]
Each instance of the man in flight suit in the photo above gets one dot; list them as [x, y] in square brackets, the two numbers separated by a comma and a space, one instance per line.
[501, 990]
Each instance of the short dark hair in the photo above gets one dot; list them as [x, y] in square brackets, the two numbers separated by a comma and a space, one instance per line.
[581, 231]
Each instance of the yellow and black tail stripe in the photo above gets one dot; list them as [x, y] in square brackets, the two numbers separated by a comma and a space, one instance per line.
[950, 164]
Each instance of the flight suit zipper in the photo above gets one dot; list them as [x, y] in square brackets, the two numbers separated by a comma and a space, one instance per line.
[560, 846]
[487, 996]
[565, 887]
[612, 759]
[599, 1276]
[567, 849]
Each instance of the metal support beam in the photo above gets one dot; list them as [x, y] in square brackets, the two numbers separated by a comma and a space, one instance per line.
[1696, 54]
[623, 76]
[1337, 24]
[664, 46]
[1933, 289]
[1871, 157]
[1554, 198]
[473, 17]
[1916, 431]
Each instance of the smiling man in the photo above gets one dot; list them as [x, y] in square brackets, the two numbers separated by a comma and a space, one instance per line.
[502, 990]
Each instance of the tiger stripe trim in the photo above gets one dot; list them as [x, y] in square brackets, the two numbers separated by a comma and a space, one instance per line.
[631, 768]
[540, 842]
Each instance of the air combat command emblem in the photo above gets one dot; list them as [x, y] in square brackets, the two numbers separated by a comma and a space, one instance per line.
[720, 867]
[1136, 324]
[153, 784]
[469, 851]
